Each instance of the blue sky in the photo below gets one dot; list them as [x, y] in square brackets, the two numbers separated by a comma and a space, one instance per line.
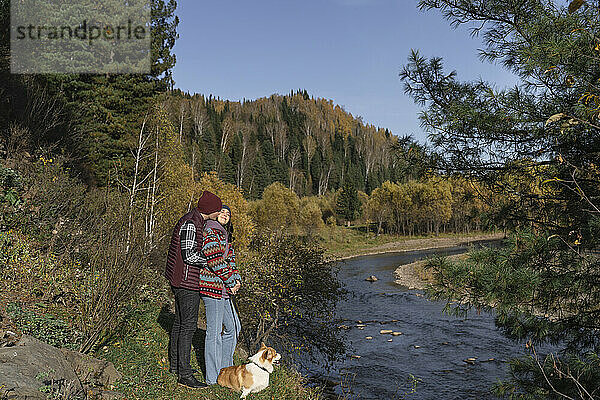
[350, 51]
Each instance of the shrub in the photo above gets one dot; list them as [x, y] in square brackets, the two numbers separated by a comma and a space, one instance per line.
[10, 194]
[113, 271]
[27, 275]
[327, 204]
[278, 210]
[51, 201]
[289, 294]
[311, 218]
[74, 249]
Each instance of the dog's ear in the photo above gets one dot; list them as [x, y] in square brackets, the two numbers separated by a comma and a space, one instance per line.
[264, 355]
[262, 346]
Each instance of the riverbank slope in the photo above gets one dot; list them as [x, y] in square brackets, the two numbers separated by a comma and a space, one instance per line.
[344, 243]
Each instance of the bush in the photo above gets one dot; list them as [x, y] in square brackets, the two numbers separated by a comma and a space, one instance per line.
[327, 204]
[289, 294]
[10, 195]
[30, 277]
[114, 269]
[278, 210]
[73, 251]
[311, 218]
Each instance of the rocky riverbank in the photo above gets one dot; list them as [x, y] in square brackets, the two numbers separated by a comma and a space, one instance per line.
[414, 276]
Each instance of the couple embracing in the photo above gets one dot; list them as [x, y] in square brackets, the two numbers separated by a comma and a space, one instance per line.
[201, 265]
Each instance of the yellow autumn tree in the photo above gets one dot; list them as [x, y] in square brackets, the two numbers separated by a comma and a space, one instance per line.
[279, 209]
[311, 217]
[380, 204]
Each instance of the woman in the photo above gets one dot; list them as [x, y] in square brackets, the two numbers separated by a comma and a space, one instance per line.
[216, 283]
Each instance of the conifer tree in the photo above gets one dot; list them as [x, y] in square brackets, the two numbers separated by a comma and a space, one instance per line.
[106, 110]
[348, 204]
[259, 179]
[535, 146]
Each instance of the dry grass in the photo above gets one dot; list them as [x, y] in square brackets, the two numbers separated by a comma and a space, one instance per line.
[342, 242]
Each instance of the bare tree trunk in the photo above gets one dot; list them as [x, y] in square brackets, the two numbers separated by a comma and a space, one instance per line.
[294, 159]
[282, 141]
[225, 136]
[310, 145]
[324, 181]
[193, 163]
[181, 114]
[241, 167]
[153, 196]
[135, 184]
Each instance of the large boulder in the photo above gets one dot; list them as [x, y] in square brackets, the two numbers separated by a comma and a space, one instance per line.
[32, 369]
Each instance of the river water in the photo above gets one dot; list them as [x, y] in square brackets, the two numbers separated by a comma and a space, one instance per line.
[432, 346]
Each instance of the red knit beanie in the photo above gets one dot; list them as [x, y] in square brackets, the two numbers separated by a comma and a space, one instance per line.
[209, 203]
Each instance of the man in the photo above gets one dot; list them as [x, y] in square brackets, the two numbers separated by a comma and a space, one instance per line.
[184, 262]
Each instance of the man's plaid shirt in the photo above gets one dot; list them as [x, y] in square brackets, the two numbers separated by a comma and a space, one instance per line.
[191, 253]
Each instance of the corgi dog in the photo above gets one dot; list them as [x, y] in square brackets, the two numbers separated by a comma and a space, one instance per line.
[252, 377]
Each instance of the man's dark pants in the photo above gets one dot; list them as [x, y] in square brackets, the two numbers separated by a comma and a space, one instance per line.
[185, 324]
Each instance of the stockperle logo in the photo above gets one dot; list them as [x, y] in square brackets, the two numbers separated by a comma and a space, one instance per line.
[84, 36]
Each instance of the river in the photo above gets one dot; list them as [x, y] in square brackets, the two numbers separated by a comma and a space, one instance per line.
[432, 347]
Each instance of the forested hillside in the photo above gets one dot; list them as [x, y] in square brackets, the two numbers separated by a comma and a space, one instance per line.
[311, 145]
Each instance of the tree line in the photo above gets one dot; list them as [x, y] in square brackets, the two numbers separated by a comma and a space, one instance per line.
[417, 207]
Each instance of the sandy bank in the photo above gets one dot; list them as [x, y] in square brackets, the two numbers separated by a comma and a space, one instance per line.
[412, 276]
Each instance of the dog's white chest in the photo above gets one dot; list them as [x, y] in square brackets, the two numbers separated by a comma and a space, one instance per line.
[260, 378]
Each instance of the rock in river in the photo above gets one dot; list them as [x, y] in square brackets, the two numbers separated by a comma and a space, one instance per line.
[372, 278]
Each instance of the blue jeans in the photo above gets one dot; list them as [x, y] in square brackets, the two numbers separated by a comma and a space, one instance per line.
[222, 330]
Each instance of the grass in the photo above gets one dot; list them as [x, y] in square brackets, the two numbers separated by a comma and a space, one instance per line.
[342, 242]
[141, 356]
[345, 242]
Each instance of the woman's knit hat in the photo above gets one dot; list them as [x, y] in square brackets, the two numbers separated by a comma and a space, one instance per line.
[209, 203]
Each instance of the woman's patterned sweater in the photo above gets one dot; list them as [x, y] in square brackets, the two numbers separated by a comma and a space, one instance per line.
[221, 269]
